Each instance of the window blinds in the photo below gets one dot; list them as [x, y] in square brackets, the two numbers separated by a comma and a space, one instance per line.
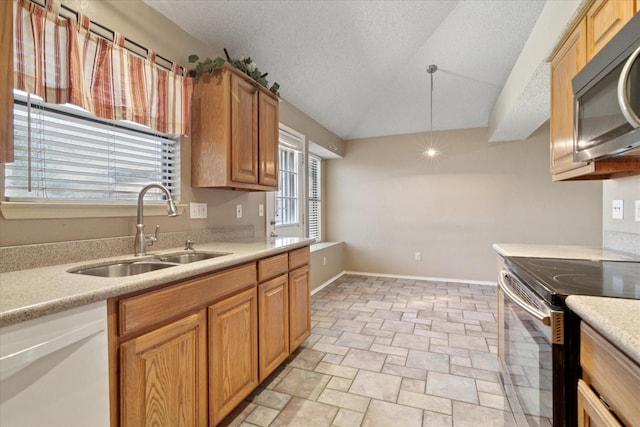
[314, 197]
[65, 156]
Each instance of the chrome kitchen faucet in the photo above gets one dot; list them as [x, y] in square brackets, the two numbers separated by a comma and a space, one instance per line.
[142, 241]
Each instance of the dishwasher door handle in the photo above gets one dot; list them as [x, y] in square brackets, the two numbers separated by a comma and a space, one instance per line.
[13, 362]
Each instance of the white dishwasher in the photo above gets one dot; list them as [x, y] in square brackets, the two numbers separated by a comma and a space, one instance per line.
[54, 370]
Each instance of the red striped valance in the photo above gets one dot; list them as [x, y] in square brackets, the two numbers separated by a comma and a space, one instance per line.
[61, 61]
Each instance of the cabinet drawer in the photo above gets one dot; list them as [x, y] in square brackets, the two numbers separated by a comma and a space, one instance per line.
[612, 373]
[272, 267]
[298, 257]
[154, 307]
[591, 411]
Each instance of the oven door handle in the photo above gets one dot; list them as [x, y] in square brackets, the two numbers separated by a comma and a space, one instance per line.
[544, 317]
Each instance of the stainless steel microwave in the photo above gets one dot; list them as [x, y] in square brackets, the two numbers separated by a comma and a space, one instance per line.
[606, 113]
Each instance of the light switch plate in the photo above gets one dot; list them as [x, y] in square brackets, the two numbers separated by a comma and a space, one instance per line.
[637, 210]
[197, 210]
[260, 209]
[238, 211]
[617, 211]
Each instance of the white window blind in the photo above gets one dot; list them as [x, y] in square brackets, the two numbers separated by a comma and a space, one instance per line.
[67, 156]
[315, 180]
[287, 197]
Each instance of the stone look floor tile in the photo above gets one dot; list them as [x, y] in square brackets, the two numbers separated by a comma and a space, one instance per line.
[388, 352]
[361, 359]
[386, 414]
[347, 418]
[377, 386]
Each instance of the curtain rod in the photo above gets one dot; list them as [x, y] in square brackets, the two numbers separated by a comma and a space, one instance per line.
[167, 64]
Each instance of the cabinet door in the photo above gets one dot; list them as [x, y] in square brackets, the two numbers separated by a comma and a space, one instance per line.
[268, 137]
[299, 306]
[6, 77]
[233, 352]
[564, 66]
[604, 19]
[591, 411]
[273, 300]
[163, 375]
[244, 131]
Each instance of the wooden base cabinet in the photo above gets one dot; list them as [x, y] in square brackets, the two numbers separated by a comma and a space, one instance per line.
[163, 375]
[188, 353]
[299, 306]
[299, 297]
[233, 352]
[610, 376]
[274, 324]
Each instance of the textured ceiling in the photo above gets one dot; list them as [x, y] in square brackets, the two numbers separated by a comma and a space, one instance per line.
[359, 67]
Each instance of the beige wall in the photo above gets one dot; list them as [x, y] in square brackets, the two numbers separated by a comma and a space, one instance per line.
[621, 234]
[326, 263]
[138, 22]
[386, 203]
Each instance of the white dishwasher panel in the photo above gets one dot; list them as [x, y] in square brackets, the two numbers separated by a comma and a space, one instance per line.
[54, 370]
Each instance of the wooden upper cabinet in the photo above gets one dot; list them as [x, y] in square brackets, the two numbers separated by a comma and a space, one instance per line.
[564, 66]
[234, 132]
[268, 119]
[597, 23]
[244, 131]
[6, 77]
[604, 19]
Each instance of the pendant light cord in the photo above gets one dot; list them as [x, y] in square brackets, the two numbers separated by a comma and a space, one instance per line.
[431, 69]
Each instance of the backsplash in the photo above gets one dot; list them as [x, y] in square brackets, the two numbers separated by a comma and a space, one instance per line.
[623, 242]
[41, 255]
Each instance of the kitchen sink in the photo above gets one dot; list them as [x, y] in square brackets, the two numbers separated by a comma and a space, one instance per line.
[123, 269]
[158, 262]
[188, 257]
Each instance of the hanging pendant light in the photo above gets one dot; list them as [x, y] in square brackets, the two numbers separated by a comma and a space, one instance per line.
[431, 151]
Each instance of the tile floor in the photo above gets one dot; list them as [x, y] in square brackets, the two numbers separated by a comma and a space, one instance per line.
[388, 352]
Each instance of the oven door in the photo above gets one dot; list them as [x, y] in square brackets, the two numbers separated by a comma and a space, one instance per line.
[530, 352]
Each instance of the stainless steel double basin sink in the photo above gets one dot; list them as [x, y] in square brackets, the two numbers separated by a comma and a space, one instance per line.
[157, 262]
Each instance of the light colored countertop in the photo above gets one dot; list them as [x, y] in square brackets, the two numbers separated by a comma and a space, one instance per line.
[616, 319]
[561, 251]
[32, 293]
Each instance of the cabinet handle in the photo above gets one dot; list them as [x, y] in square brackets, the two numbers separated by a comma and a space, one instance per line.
[13, 362]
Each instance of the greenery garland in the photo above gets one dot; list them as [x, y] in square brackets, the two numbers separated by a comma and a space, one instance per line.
[246, 65]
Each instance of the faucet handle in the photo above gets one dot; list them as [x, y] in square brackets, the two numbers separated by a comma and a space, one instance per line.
[188, 245]
[150, 239]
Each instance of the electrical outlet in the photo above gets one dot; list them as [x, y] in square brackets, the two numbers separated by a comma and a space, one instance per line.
[261, 210]
[238, 211]
[324, 260]
[418, 256]
[637, 210]
[198, 210]
[617, 211]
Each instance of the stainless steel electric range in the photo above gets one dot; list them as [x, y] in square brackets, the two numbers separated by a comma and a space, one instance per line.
[538, 336]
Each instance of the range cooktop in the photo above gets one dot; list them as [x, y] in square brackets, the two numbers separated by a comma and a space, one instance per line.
[555, 279]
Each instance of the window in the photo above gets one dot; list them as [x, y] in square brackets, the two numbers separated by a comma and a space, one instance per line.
[65, 154]
[315, 194]
[287, 197]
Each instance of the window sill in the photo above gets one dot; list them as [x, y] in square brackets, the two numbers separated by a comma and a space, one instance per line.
[30, 210]
[323, 245]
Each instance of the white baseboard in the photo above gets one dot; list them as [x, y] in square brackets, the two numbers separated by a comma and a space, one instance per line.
[428, 279]
[327, 283]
